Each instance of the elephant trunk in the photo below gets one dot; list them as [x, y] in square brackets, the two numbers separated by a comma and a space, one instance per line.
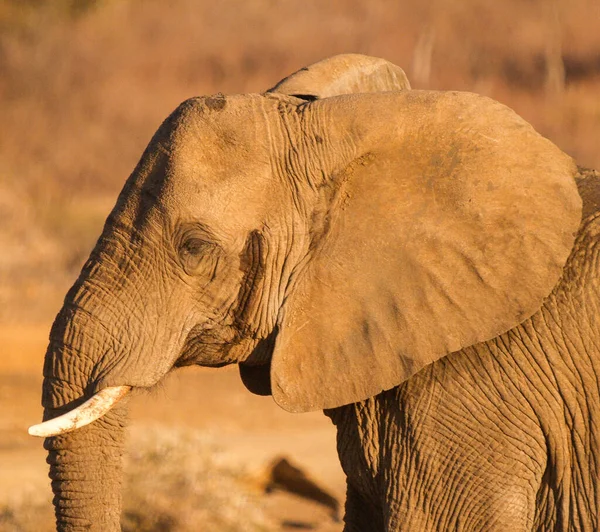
[85, 465]
[86, 473]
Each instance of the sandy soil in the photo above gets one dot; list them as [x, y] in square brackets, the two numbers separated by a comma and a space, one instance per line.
[251, 429]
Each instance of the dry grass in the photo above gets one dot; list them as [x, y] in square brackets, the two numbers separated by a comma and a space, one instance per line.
[176, 480]
[27, 514]
[180, 479]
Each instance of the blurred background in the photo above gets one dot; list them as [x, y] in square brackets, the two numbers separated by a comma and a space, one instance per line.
[83, 86]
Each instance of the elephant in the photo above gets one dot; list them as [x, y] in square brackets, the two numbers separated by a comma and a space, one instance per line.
[420, 265]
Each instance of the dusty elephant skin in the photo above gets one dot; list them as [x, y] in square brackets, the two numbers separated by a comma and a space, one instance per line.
[498, 436]
[416, 263]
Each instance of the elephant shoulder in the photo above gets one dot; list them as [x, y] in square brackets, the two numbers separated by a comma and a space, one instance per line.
[588, 183]
[582, 270]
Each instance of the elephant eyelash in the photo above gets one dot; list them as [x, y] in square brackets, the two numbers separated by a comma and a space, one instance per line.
[195, 247]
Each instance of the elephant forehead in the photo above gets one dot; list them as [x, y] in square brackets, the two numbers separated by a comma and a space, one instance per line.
[217, 172]
[229, 197]
[210, 127]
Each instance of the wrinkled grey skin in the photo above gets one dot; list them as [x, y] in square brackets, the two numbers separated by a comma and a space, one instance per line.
[499, 436]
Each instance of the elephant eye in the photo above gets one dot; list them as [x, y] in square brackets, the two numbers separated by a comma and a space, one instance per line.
[194, 247]
[192, 253]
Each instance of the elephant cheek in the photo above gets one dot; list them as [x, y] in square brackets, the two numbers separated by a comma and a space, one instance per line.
[216, 349]
[208, 355]
[242, 351]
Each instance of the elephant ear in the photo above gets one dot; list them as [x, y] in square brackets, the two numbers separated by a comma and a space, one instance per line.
[449, 225]
[334, 76]
[343, 74]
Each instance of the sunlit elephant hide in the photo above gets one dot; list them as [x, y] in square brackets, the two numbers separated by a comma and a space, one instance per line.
[421, 265]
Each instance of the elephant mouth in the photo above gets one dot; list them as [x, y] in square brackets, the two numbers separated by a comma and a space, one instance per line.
[94, 408]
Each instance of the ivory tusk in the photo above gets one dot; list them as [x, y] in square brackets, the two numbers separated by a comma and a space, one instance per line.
[93, 409]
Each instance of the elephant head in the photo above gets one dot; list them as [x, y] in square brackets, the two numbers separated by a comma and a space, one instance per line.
[343, 243]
